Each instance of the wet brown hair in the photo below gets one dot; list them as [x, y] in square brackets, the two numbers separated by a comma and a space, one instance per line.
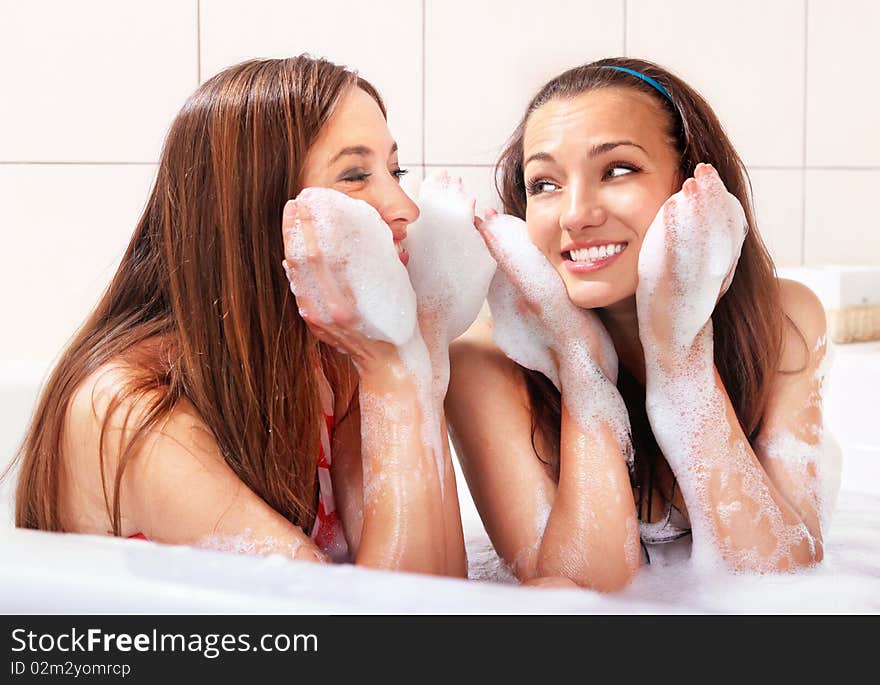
[747, 321]
[200, 308]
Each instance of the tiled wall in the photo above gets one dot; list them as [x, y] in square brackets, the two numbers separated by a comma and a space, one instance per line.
[89, 89]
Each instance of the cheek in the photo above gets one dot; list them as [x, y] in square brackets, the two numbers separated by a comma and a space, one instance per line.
[637, 207]
[542, 228]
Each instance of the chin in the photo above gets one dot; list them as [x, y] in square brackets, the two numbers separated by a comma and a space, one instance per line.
[597, 294]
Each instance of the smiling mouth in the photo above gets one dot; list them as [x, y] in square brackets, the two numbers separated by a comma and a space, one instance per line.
[587, 260]
[594, 255]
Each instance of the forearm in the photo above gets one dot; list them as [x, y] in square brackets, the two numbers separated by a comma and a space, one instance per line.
[592, 534]
[438, 353]
[737, 513]
[456, 556]
[403, 523]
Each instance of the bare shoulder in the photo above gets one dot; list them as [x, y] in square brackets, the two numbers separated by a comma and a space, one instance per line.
[101, 422]
[475, 352]
[807, 325]
[486, 389]
[90, 449]
[176, 486]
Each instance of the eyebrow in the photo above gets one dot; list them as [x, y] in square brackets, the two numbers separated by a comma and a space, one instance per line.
[595, 151]
[358, 150]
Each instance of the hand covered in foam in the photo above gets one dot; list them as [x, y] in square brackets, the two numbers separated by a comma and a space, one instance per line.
[349, 283]
[688, 259]
[534, 321]
[449, 266]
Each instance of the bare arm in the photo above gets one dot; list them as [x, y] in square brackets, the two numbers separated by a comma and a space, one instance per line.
[759, 514]
[398, 447]
[583, 529]
[404, 519]
[745, 508]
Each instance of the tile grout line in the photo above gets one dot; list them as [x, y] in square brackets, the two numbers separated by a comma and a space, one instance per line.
[486, 165]
[198, 42]
[804, 141]
[749, 167]
[75, 163]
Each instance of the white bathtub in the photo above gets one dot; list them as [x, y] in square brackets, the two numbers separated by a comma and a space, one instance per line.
[46, 572]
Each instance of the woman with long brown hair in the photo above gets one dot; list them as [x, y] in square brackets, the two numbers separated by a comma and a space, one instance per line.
[200, 403]
[655, 380]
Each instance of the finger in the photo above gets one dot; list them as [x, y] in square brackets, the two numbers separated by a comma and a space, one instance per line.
[288, 216]
[290, 233]
[481, 224]
[343, 306]
[337, 295]
[703, 169]
[306, 308]
[306, 225]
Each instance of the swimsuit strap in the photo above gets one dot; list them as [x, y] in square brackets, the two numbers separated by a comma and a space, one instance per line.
[327, 530]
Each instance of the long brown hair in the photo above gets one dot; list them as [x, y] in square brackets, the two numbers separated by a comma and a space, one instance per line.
[200, 307]
[747, 320]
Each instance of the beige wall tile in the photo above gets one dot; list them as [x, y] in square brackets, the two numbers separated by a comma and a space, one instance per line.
[746, 58]
[381, 39]
[778, 199]
[413, 180]
[842, 225]
[93, 80]
[65, 229]
[843, 102]
[485, 60]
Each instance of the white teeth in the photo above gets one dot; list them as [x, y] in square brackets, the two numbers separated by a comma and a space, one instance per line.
[591, 254]
[399, 247]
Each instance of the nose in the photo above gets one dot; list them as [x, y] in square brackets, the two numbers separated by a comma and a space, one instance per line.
[582, 209]
[393, 204]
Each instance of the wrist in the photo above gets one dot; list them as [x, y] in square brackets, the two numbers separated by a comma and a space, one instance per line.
[396, 367]
[669, 356]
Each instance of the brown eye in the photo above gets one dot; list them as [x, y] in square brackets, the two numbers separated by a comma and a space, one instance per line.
[618, 169]
[541, 186]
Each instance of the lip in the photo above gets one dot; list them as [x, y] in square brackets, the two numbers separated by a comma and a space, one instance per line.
[404, 257]
[589, 267]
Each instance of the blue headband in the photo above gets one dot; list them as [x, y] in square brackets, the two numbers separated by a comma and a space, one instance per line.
[646, 79]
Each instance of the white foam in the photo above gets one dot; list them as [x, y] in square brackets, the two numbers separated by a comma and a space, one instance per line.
[702, 235]
[449, 265]
[358, 245]
[247, 542]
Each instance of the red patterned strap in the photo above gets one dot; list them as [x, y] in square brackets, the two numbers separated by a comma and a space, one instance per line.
[327, 530]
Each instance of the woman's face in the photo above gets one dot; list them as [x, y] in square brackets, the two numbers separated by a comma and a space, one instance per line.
[597, 169]
[356, 155]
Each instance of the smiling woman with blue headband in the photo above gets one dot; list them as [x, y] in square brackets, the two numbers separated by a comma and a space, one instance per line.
[655, 380]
